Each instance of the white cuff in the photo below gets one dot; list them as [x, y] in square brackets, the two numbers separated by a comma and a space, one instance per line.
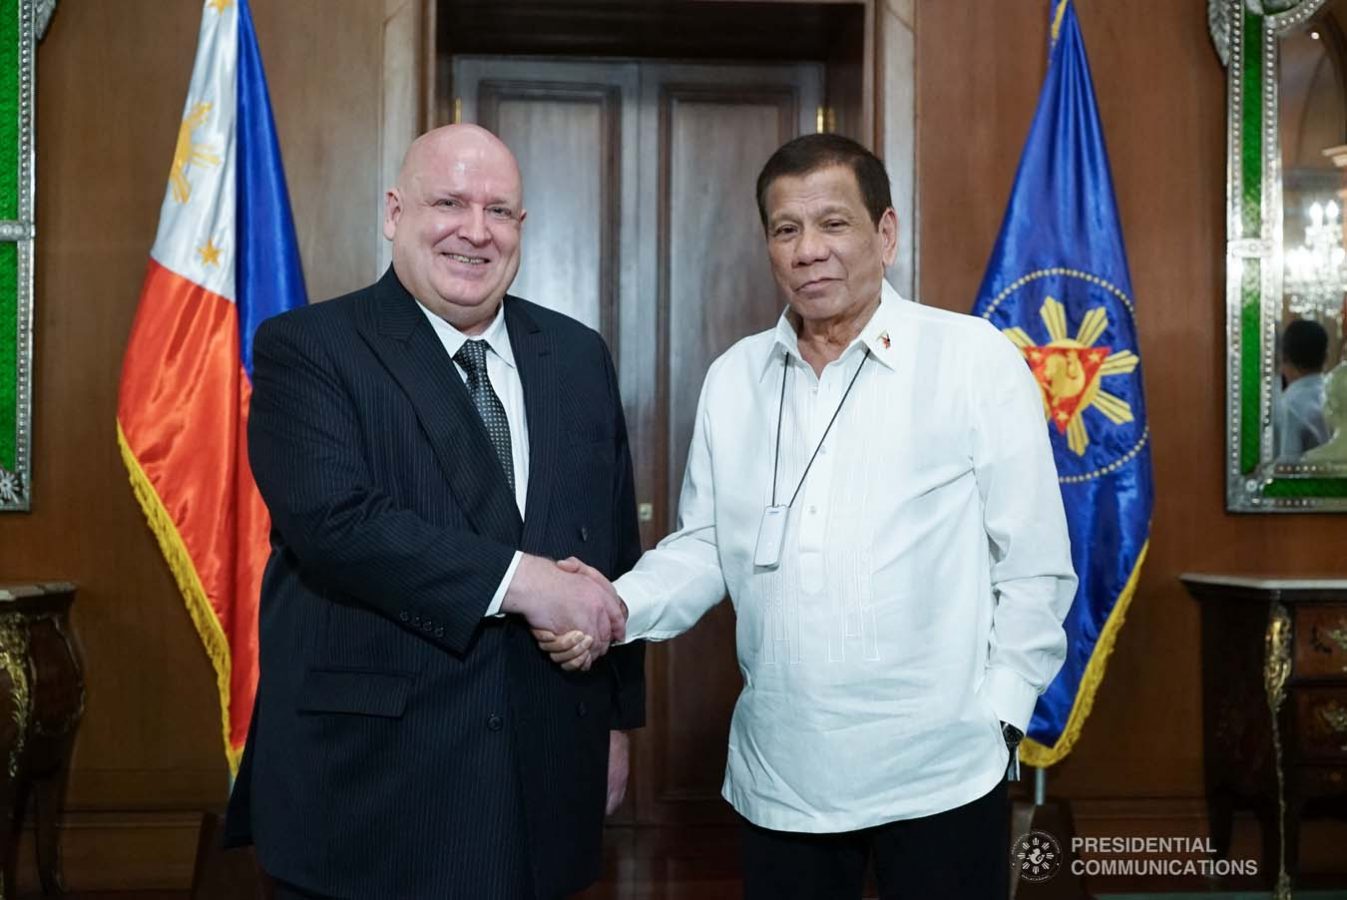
[494, 608]
[1010, 697]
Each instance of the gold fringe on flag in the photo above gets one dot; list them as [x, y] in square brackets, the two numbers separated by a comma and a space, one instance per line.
[189, 583]
[1032, 753]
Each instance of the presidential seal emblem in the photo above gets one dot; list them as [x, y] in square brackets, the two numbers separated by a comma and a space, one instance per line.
[1036, 855]
[1069, 371]
[1081, 349]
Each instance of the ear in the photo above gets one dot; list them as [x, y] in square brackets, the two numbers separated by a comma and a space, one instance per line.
[888, 236]
[392, 212]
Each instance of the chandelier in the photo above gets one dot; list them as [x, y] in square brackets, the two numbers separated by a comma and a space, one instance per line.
[1315, 272]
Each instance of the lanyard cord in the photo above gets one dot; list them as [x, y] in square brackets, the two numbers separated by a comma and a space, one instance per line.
[785, 373]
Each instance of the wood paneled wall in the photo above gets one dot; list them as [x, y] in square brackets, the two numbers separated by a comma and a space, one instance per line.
[111, 82]
[1161, 93]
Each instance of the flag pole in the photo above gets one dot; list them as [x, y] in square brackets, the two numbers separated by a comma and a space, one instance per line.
[1040, 786]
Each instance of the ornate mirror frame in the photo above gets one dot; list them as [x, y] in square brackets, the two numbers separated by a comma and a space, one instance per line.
[22, 23]
[1246, 34]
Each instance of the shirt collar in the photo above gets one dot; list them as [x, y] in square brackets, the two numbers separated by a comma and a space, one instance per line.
[877, 336]
[497, 336]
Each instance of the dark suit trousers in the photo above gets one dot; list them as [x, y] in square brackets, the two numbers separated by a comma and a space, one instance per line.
[960, 854]
[274, 889]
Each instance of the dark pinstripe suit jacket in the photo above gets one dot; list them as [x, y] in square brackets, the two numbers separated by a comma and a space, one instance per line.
[402, 746]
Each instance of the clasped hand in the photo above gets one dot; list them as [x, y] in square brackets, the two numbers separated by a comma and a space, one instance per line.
[572, 609]
[576, 650]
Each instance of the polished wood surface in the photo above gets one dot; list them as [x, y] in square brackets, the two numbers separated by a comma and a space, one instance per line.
[670, 29]
[1321, 642]
[1274, 734]
[41, 704]
[405, 98]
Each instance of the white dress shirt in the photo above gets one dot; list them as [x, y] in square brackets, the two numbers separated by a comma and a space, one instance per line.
[923, 580]
[504, 375]
[1298, 424]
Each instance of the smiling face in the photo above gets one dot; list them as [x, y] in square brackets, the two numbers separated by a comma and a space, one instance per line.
[828, 256]
[454, 219]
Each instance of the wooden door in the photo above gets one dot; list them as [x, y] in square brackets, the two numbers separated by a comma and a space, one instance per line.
[642, 222]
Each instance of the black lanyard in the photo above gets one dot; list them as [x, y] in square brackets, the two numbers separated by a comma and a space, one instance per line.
[781, 405]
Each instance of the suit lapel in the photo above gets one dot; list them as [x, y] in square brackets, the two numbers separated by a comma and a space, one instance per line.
[406, 344]
[533, 353]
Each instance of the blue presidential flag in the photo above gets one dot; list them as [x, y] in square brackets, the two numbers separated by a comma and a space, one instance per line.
[1057, 286]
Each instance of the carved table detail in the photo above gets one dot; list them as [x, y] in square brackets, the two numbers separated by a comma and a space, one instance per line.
[1274, 702]
[41, 703]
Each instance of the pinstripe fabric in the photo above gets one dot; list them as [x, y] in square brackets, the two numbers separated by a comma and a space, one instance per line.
[402, 746]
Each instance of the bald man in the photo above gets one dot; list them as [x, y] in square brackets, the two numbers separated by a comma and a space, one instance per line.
[427, 446]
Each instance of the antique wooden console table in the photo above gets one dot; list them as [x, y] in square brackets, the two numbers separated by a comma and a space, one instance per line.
[1274, 704]
[41, 702]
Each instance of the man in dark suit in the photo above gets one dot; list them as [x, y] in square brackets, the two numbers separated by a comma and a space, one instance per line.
[427, 446]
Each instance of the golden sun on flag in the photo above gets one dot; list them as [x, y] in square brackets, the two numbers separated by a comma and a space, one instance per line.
[188, 152]
[1068, 371]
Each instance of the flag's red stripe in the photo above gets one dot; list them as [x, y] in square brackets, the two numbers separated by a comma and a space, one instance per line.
[183, 408]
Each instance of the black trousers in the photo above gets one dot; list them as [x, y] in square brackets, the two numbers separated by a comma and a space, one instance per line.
[960, 854]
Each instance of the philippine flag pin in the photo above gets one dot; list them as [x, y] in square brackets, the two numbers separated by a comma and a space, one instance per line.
[884, 339]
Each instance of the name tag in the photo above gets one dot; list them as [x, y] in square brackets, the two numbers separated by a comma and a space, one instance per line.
[771, 536]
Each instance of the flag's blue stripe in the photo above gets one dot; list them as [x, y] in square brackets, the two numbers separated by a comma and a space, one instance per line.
[268, 276]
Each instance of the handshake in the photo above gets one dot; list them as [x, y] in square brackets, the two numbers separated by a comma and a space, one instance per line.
[572, 609]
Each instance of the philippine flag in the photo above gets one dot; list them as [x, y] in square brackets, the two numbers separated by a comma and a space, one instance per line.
[224, 259]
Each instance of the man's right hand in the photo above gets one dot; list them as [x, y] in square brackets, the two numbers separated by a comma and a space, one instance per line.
[564, 599]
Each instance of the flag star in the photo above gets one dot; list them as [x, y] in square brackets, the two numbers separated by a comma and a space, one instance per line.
[219, 5]
[209, 253]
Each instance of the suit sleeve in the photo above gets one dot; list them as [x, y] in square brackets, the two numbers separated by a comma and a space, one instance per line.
[306, 449]
[627, 662]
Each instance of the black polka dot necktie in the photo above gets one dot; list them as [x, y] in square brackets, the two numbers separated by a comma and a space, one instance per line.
[472, 357]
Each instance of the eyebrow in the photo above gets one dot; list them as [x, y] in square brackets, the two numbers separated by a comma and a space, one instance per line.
[459, 195]
[830, 210]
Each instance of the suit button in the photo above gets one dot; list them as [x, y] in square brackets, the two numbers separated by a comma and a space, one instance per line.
[427, 625]
[439, 632]
[403, 615]
[416, 620]
[495, 722]
[581, 709]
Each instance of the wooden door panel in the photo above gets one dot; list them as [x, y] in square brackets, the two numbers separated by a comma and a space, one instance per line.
[559, 266]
